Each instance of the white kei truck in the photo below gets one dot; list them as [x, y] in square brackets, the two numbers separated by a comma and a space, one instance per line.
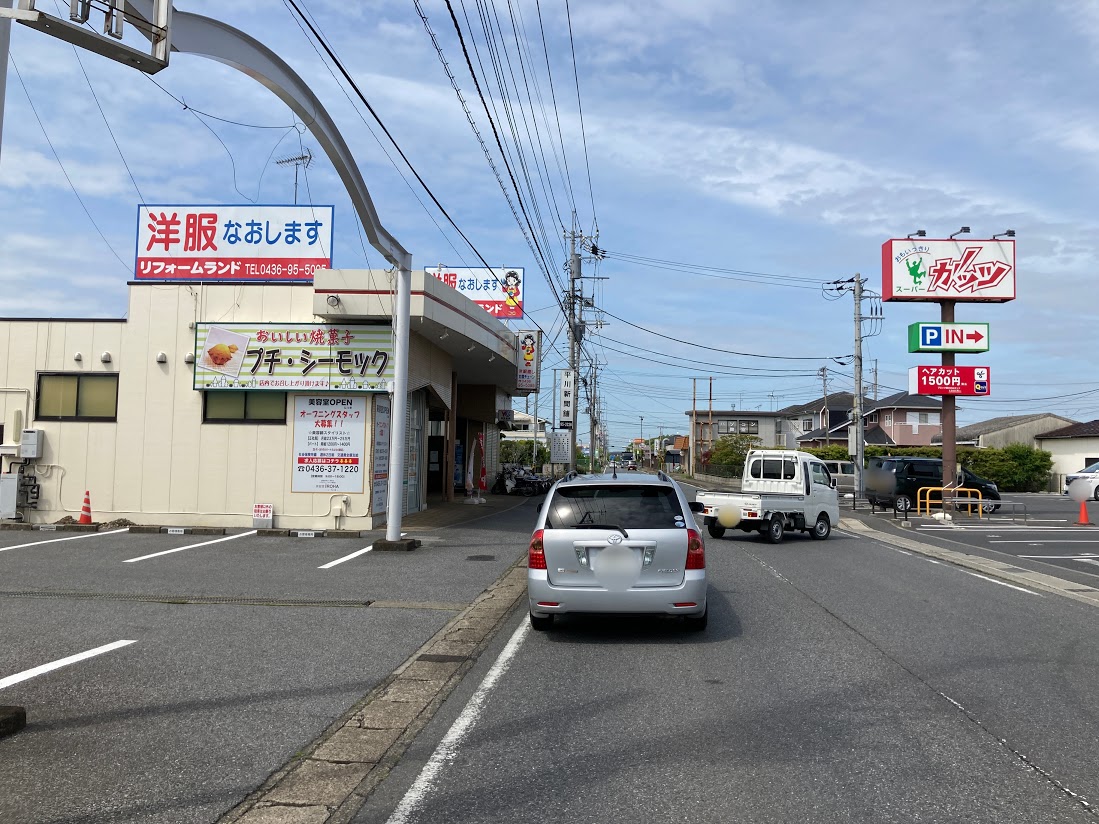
[781, 490]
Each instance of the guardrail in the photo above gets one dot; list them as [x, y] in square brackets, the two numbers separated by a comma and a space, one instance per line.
[921, 498]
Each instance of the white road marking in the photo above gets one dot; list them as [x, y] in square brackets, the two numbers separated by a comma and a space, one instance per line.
[1080, 556]
[331, 564]
[70, 538]
[448, 747]
[1001, 583]
[1006, 528]
[1053, 541]
[189, 546]
[64, 662]
[355, 554]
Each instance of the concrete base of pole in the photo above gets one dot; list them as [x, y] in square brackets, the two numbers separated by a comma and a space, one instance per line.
[12, 719]
[400, 545]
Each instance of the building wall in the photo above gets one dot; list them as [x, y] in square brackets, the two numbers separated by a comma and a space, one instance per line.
[1070, 454]
[904, 427]
[1023, 433]
[159, 463]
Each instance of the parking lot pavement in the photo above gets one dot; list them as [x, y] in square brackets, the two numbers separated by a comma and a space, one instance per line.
[170, 688]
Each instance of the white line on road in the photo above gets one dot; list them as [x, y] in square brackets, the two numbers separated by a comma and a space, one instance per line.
[189, 546]
[64, 662]
[70, 538]
[448, 747]
[1001, 583]
[1005, 528]
[355, 554]
[1052, 541]
[1080, 556]
[331, 564]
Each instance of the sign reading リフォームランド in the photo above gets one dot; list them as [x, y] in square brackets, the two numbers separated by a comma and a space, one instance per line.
[498, 291]
[293, 356]
[329, 444]
[232, 243]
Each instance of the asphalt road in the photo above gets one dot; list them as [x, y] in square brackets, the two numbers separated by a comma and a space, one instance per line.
[842, 681]
[838, 681]
[244, 651]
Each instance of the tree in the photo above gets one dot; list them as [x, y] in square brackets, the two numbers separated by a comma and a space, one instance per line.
[730, 451]
[514, 451]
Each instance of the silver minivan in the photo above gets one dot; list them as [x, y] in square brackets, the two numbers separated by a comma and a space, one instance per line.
[617, 543]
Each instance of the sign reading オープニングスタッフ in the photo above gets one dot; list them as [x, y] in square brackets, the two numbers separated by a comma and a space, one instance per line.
[329, 444]
[233, 243]
[293, 357]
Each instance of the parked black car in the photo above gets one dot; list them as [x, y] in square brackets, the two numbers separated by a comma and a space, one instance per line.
[898, 480]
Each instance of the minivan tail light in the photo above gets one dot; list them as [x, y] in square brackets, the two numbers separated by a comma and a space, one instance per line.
[696, 551]
[536, 555]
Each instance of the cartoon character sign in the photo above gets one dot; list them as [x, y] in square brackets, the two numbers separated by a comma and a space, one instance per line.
[527, 345]
[511, 287]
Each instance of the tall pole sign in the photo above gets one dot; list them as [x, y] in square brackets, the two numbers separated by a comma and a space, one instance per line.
[948, 271]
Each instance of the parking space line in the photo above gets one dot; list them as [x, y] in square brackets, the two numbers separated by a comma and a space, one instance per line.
[190, 546]
[355, 554]
[69, 538]
[64, 662]
[331, 564]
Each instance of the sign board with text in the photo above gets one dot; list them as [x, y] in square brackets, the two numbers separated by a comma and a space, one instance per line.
[559, 447]
[949, 380]
[379, 491]
[233, 243]
[498, 291]
[566, 400]
[919, 269]
[530, 358]
[285, 357]
[329, 443]
[948, 337]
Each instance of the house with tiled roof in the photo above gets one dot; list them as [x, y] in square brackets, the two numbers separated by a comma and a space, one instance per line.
[1072, 447]
[996, 433]
[897, 420]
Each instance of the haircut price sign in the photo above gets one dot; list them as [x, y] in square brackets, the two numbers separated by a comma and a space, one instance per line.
[949, 380]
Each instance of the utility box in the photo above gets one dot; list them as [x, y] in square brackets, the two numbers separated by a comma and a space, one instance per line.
[31, 444]
[9, 491]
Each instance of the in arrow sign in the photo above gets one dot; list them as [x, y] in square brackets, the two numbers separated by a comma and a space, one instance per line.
[976, 337]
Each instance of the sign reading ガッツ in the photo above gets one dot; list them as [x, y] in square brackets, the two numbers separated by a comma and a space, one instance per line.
[936, 270]
[292, 357]
[233, 243]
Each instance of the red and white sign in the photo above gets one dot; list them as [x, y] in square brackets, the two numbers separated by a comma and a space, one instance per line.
[949, 380]
[530, 349]
[233, 243]
[498, 291]
[937, 270]
[263, 511]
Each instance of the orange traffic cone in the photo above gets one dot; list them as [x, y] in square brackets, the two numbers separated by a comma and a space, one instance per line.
[86, 510]
[1084, 515]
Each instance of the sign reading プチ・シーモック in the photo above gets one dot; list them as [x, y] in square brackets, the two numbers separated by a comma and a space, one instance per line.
[498, 291]
[938, 270]
[329, 443]
[286, 357]
[231, 243]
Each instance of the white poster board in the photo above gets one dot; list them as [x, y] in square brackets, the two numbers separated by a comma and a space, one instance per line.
[379, 492]
[560, 441]
[329, 444]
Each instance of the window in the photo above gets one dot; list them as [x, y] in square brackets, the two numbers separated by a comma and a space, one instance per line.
[748, 427]
[243, 407]
[923, 417]
[631, 507]
[888, 418]
[872, 417]
[76, 397]
[773, 468]
[806, 424]
[820, 475]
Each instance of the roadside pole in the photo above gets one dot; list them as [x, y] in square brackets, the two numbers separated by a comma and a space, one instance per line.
[860, 434]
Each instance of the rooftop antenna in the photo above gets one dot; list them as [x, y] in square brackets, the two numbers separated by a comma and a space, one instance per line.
[302, 160]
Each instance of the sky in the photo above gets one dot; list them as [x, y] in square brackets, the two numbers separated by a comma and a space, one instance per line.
[730, 158]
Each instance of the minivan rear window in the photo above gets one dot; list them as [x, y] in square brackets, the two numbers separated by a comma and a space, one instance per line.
[630, 507]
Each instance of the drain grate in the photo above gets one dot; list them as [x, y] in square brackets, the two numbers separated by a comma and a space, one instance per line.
[230, 600]
[480, 557]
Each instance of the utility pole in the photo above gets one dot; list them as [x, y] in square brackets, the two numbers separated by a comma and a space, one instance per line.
[593, 413]
[693, 443]
[574, 337]
[875, 380]
[824, 421]
[710, 440]
[857, 411]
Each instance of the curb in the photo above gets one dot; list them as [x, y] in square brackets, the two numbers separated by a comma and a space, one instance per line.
[997, 569]
[17, 526]
[331, 780]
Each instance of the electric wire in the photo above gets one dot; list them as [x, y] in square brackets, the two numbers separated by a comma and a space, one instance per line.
[583, 130]
[60, 163]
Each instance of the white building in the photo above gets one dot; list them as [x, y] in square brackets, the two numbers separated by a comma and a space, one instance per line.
[161, 428]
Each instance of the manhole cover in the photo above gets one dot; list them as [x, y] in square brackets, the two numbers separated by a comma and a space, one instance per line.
[480, 557]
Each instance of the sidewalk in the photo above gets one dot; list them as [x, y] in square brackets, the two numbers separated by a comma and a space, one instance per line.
[440, 514]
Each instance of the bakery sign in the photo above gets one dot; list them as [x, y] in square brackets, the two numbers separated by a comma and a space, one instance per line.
[920, 269]
[288, 357]
[233, 243]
